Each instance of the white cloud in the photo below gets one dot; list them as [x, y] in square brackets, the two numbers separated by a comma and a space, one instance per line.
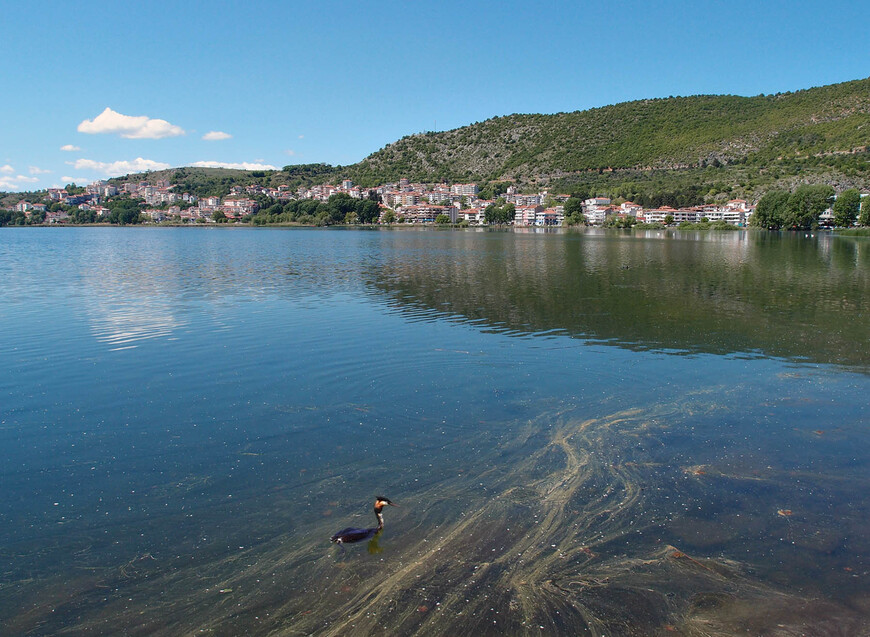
[14, 183]
[216, 135]
[69, 148]
[131, 127]
[302, 137]
[74, 180]
[35, 170]
[7, 169]
[290, 152]
[118, 168]
[238, 166]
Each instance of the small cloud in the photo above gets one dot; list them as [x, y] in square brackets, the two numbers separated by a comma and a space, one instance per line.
[237, 166]
[302, 137]
[15, 182]
[35, 170]
[216, 135]
[290, 152]
[75, 180]
[118, 168]
[69, 148]
[7, 169]
[128, 126]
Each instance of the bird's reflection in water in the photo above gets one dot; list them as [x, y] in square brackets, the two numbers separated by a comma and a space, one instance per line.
[374, 547]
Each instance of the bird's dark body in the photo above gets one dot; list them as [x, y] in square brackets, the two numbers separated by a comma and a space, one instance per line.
[352, 534]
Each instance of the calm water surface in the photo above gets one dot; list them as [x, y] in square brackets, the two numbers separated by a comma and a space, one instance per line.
[587, 433]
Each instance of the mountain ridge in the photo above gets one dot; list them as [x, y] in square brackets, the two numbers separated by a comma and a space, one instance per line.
[717, 145]
[664, 133]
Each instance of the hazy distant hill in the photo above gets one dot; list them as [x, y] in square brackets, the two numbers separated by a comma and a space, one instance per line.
[707, 146]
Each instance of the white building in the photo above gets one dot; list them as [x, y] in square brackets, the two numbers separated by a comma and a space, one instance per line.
[464, 189]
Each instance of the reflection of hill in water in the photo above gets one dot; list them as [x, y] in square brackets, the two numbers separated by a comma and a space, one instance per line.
[786, 296]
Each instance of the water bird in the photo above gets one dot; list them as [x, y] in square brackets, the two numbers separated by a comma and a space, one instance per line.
[351, 534]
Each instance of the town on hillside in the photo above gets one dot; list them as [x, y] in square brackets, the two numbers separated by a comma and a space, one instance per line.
[402, 202]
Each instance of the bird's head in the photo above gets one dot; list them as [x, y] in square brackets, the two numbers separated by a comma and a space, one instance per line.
[381, 502]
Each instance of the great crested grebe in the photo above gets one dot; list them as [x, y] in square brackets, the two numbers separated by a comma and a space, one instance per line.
[351, 534]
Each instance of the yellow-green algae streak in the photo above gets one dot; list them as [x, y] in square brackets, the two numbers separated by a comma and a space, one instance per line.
[566, 540]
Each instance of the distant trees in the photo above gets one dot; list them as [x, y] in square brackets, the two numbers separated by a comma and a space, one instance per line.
[340, 208]
[12, 218]
[771, 210]
[798, 210]
[679, 197]
[500, 213]
[581, 192]
[806, 204]
[493, 190]
[339, 205]
[81, 216]
[864, 216]
[574, 211]
[368, 211]
[614, 221]
[846, 208]
[124, 211]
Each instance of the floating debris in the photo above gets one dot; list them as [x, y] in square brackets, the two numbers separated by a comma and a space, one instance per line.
[696, 470]
[784, 513]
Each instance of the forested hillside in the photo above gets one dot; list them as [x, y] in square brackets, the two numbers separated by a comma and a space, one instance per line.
[672, 133]
[674, 150]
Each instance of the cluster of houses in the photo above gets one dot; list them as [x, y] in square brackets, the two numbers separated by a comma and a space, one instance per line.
[422, 203]
[735, 212]
[415, 203]
[91, 199]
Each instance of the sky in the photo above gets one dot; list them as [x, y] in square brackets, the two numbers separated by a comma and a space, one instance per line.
[96, 89]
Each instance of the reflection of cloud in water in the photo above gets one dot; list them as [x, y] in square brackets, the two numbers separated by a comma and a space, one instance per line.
[136, 320]
[126, 304]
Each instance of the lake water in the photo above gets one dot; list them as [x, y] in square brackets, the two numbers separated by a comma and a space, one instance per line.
[599, 433]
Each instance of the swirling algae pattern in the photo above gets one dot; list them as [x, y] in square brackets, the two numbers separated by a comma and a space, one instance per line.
[541, 559]
[562, 541]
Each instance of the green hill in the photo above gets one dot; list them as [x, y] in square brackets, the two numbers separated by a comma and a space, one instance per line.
[690, 148]
[673, 133]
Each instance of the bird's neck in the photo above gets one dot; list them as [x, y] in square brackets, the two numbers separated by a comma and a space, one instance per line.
[380, 517]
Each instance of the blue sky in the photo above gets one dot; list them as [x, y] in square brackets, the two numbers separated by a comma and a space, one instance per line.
[279, 83]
